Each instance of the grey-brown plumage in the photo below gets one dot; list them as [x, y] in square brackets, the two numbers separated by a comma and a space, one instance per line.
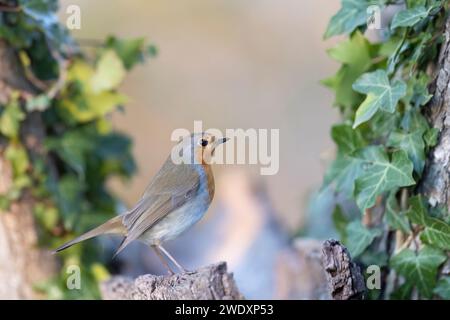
[176, 198]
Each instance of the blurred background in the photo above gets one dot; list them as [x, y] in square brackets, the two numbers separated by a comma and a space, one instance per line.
[232, 64]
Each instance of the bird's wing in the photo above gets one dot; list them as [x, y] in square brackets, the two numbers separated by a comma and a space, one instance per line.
[172, 187]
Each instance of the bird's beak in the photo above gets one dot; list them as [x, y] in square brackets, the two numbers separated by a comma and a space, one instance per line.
[220, 141]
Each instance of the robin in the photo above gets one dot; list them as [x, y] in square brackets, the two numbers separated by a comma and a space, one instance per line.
[176, 198]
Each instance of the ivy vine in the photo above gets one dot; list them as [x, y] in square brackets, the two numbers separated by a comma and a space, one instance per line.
[81, 149]
[382, 142]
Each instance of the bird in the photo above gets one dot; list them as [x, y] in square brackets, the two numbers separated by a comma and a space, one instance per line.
[176, 198]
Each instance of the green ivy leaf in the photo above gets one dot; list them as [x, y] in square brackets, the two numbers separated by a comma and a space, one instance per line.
[419, 50]
[340, 223]
[10, 119]
[431, 137]
[342, 173]
[41, 15]
[420, 269]
[409, 17]
[351, 15]
[443, 288]
[412, 144]
[394, 217]
[359, 237]
[381, 175]
[70, 199]
[417, 93]
[414, 121]
[436, 232]
[73, 148]
[109, 72]
[403, 292]
[46, 215]
[84, 104]
[346, 138]
[355, 56]
[382, 124]
[18, 157]
[130, 51]
[381, 95]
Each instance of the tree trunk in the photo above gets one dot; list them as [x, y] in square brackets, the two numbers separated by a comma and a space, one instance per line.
[435, 183]
[208, 283]
[22, 263]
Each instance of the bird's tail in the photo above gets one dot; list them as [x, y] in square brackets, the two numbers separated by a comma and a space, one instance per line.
[114, 226]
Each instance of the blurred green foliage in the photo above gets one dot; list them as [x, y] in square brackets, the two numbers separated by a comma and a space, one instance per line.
[81, 150]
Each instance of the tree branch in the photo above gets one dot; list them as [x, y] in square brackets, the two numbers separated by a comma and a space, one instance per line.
[208, 283]
[344, 277]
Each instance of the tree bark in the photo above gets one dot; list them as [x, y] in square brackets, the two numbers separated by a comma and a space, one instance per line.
[344, 277]
[22, 263]
[435, 183]
[208, 283]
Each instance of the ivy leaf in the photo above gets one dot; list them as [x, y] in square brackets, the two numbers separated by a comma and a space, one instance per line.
[42, 15]
[436, 232]
[403, 292]
[381, 175]
[73, 148]
[346, 138]
[10, 119]
[417, 92]
[419, 50]
[343, 173]
[412, 144]
[79, 99]
[130, 51]
[18, 157]
[382, 124]
[394, 217]
[355, 56]
[46, 215]
[359, 237]
[381, 95]
[109, 72]
[409, 17]
[340, 223]
[443, 288]
[92, 106]
[351, 15]
[431, 137]
[70, 199]
[413, 121]
[420, 269]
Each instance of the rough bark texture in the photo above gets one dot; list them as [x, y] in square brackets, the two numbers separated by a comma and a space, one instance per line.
[435, 183]
[22, 263]
[344, 277]
[208, 283]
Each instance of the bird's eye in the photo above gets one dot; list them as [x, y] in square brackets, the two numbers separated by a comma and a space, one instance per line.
[203, 142]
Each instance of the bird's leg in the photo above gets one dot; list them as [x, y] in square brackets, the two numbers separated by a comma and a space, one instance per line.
[161, 257]
[179, 266]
